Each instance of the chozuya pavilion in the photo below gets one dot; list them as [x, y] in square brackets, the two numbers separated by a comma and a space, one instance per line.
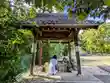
[55, 26]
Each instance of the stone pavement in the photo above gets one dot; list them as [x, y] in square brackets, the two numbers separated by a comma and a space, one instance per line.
[106, 68]
[89, 75]
[94, 70]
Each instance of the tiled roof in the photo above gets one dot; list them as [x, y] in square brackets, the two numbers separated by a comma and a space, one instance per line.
[55, 18]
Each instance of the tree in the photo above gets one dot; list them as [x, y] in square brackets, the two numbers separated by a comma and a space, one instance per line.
[97, 40]
[14, 43]
[81, 8]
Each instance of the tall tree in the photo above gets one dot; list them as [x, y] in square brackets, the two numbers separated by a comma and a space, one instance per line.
[97, 40]
[12, 43]
[80, 7]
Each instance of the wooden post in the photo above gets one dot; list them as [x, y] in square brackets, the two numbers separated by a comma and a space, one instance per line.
[77, 51]
[40, 53]
[69, 51]
[70, 58]
[37, 54]
[40, 62]
[33, 52]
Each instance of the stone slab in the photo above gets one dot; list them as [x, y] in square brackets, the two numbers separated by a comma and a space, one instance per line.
[74, 77]
[106, 68]
[104, 78]
[95, 70]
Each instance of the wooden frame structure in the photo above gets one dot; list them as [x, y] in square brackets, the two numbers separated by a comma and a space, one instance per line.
[54, 26]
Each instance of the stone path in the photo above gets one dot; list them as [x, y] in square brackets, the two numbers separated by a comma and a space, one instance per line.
[89, 75]
[106, 68]
[104, 78]
[95, 70]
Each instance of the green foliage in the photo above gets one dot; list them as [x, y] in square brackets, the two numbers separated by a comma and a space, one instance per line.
[82, 7]
[46, 56]
[50, 49]
[107, 2]
[14, 43]
[97, 40]
[32, 12]
[65, 51]
[12, 47]
[56, 49]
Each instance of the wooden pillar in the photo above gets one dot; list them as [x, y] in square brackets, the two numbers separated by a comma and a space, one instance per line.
[76, 31]
[37, 54]
[70, 58]
[40, 55]
[33, 52]
[69, 51]
[40, 63]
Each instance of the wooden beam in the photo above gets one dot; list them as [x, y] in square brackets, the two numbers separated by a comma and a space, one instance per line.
[81, 26]
[55, 38]
[54, 35]
[53, 28]
[65, 42]
[56, 31]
